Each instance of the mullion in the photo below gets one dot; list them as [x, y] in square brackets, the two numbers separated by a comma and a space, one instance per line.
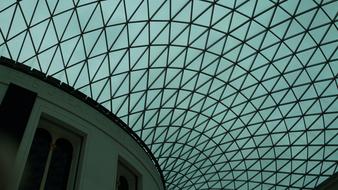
[79, 39]
[58, 44]
[108, 58]
[128, 55]
[245, 77]
[198, 77]
[274, 10]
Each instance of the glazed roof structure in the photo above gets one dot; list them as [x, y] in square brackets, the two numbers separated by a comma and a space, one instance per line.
[227, 94]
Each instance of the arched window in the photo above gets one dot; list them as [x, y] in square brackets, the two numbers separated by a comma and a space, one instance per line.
[123, 183]
[60, 164]
[36, 161]
[126, 177]
[52, 160]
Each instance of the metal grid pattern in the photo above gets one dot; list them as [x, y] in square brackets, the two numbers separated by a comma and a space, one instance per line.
[227, 94]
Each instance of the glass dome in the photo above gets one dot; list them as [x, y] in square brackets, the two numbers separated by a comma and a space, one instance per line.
[227, 94]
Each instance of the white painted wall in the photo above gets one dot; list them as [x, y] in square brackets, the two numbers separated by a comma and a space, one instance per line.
[103, 142]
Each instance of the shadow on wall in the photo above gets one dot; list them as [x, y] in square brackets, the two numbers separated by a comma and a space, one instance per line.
[7, 155]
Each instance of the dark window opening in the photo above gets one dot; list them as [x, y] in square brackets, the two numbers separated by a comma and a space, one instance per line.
[37, 159]
[123, 183]
[15, 110]
[127, 179]
[52, 160]
[60, 165]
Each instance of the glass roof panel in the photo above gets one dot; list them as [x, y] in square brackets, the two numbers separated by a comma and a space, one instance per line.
[226, 94]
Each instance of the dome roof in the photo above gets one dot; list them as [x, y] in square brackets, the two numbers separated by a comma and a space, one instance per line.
[227, 94]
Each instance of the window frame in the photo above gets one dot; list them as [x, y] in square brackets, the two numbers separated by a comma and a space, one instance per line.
[124, 166]
[60, 130]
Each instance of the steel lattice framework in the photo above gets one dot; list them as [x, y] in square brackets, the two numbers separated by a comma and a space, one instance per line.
[228, 94]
